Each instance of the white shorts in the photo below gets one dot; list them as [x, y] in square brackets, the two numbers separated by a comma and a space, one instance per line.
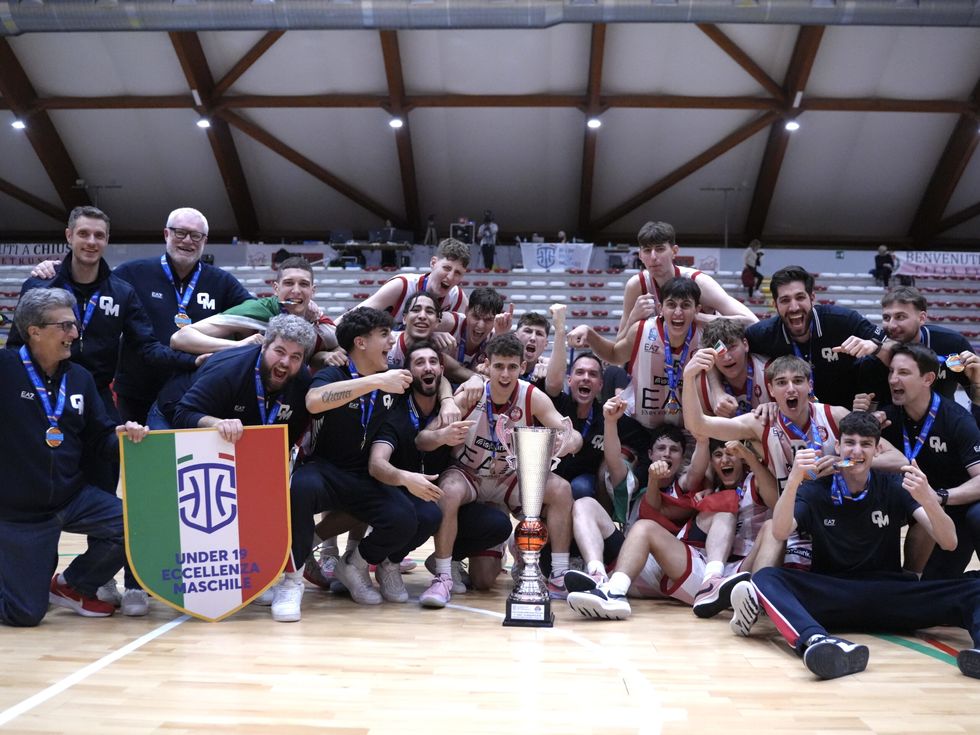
[500, 490]
[651, 582]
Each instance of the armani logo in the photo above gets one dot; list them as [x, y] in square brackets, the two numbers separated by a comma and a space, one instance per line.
[27, 395]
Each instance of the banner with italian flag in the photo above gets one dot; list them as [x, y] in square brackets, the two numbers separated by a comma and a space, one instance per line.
[207, 521]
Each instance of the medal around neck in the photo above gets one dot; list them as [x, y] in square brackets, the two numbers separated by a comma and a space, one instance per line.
[181, 319]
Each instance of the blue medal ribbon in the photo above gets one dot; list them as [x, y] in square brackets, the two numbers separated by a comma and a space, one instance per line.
[588, 422]
[912, 452]
[367, 407]
[674, 370]
[260, 396]
[839, 492]
[813, 441]
[809, 352]
[418, 421]
[83, 321]
[53, 415]
[183, 299]
[746, 405]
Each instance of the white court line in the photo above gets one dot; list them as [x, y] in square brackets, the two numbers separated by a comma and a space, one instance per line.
[637, 684]
[72, 679]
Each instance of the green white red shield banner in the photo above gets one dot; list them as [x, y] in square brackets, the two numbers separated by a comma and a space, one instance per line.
[207, 521]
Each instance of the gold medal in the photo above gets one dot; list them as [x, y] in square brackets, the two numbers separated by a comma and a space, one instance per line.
[53, 437]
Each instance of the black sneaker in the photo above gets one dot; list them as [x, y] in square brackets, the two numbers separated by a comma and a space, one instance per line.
[577, 581]
[969, 662]
[715, 594]
[830, 658]
[600, 604]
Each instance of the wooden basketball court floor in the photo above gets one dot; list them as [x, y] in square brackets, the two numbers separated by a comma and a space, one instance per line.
[347, 668]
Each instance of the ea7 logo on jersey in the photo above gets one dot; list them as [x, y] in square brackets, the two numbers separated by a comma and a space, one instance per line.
[77, 401]
[27, 395]
[936, 444]
[110, 307]
[205, 301]
[828, 354]
[879, 519]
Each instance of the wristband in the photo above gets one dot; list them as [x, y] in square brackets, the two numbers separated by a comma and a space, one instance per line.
[943, 496]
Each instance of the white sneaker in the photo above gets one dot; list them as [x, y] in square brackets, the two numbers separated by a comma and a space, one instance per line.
[458, 573]
[745, 603]
[109, 592]
[135, 603]
[286, 601]
[389, 577]
[352, 571]
[265, 599]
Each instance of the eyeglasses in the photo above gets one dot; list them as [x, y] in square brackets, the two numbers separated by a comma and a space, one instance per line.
[180, 234]
[66, 327]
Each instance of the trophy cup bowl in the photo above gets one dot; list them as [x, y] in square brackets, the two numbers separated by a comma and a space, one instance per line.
[534, 450]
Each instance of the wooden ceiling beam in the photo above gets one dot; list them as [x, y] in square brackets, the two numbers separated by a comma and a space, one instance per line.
[590, 137]
[246, 62]
[800, 63]
[946, 176]
[683, 171]
[403, 135]
[192, 60]
[122, 102]
[741, 58]
[312, 168]
[34, 202]
[19, 94]
[878, 104]
[958, 218]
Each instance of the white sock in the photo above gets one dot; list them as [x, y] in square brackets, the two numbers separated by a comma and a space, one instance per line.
[351, 544]
[444, 566]
[619, 584]
[596, 567]
[354, 558]
[294, 578]
[559, 562]
[329, 547]
[61, 579]
[713, 569]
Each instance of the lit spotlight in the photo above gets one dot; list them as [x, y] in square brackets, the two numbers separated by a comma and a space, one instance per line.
[594, 123]
[396, 122]
[204, 123]
[18, 124]
[792, 126]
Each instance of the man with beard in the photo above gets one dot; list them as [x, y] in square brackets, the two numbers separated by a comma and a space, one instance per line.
[397, 460]
[831, 338]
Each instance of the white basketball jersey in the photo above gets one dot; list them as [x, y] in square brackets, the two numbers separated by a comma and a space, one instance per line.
[482, 454]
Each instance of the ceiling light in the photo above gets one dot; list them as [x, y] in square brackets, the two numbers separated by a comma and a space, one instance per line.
[594, 123]
[18, 124]
[203, 123]
[792, 126]
[396, 122]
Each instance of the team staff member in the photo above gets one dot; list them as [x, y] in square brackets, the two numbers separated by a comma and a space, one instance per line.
[53, 416]
[856, 583]
[830, 338]
[176, 289]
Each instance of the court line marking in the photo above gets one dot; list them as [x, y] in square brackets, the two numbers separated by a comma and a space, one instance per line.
[637, 685]
[937, 654]
[71, 680]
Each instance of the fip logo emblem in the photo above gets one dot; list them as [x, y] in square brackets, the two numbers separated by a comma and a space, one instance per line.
[546, 256]
[206, 492]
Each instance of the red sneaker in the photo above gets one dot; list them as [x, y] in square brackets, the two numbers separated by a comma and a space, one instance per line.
[64, 596]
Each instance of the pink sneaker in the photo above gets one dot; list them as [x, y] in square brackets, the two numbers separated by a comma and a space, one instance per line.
[320, 572]
[556, 586]
[64, 596]
[440, 592]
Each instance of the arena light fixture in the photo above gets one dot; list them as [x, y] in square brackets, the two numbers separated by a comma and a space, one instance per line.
[204, 123]
[792, 126]
[395, 123]
[594, 123]
[18, 124]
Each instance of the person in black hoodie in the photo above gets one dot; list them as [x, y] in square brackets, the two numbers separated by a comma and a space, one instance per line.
[52, 414]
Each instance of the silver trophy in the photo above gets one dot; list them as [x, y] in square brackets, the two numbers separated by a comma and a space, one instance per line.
[532, 453]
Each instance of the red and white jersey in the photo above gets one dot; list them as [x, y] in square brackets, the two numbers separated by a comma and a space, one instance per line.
[760, 392]
[752, 513]
[647, 393]
[482, 454]
[411, 285]
[780, 444]
[396, 355]
[649, 286]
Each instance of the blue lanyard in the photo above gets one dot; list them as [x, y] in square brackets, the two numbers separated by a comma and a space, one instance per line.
[839, 492]
[260, 396]
[367, 409]
[89, 311]
[746, 406]
[924, 336]
[42, 392]
[913, 452]
[673, 371]
[416, 417]
[813, 442]
[182, 299]
[588, 421]
[489, 402]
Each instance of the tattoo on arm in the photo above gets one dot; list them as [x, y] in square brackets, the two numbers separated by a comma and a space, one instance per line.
[336, 395]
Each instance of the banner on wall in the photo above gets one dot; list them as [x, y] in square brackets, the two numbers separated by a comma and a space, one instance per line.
[932, 263]
[31, 253]
[257, 254]
[554, 256]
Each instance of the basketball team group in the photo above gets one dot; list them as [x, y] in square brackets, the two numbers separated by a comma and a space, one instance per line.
[811, 467]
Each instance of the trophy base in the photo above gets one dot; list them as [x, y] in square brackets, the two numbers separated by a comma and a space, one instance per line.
[529, 614]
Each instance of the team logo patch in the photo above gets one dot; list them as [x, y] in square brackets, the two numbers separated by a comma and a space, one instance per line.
[207, 521]
[516, 413]
[547, 256]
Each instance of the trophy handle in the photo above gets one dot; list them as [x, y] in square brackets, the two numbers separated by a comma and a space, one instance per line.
[563, 434]
[505, 434]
